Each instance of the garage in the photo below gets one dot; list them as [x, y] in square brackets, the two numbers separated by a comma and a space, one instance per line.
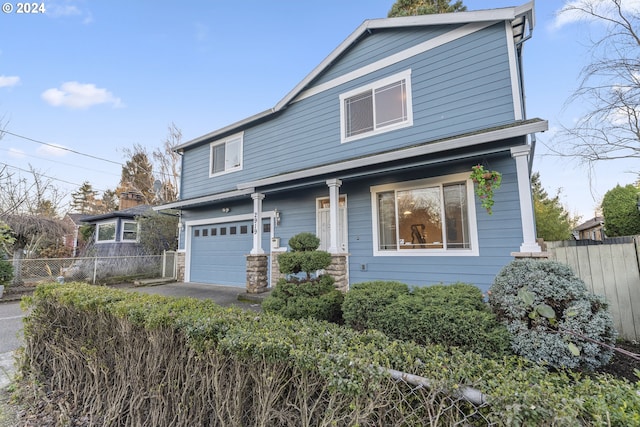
[218, 252]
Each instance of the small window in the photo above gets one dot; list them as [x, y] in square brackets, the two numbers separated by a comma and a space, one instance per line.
[244, 229]
[226, 155]
[129, 231]
[106, 232]
[379, 107]
[205, 232]
[223, 231]
[214, 231]
[233, 230]
[196, 233]
[266, 228]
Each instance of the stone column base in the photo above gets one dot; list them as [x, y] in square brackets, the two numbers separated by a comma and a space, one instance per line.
[180, 260]
[339, 270]
[257, 273]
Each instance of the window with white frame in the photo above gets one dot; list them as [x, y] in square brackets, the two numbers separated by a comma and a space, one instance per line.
[426, 217]
[379, 107]
[226, 155]
[106, 232]
[129, 231]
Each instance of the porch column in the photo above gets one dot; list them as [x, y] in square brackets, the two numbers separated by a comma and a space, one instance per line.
[334, 200]
[257, 224]
[521, 155]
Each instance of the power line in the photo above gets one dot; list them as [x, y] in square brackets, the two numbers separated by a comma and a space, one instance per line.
[60, 147]
[164, 174]
[45, 176]
[57, 162]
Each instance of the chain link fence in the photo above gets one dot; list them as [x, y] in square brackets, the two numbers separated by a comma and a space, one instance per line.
[92, 269]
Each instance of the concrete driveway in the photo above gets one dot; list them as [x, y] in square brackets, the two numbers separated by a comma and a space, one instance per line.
[225, 296]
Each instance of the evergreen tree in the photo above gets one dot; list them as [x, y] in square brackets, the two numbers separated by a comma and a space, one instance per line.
[553, 222]
[620, 210]
[424, 7]
[84, 200]
[137, 174]
[109, 201]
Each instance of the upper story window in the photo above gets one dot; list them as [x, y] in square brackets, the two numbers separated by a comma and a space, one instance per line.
[226, 155]
[434, 216]
[129, 231]
[379, 107]
[106, 232]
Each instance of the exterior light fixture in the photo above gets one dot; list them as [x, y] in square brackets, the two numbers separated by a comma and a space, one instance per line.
[276, 213]
[226, 210]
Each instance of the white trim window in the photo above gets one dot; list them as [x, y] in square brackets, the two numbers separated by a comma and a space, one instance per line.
[376, 108]
[129, 232]
[226, 155]
[106, 232]
[434, 216]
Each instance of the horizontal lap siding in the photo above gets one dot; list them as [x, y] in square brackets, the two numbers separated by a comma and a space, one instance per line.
[458, 87]
[498, 235]
[374, 48]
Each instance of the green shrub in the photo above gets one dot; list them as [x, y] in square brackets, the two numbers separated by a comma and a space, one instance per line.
[544, 304]
[6, 272]
[316, 299]
[263, 370]
[303, 242]
[451, 315]
[297, 298]
[366, 302]
[307, 262]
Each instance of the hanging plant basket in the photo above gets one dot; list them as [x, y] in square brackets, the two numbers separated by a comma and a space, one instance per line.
[486, 183]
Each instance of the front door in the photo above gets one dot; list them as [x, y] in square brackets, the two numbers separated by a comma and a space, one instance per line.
[323, 223]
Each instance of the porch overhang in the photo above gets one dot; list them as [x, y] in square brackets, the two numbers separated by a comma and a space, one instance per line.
[204, 200]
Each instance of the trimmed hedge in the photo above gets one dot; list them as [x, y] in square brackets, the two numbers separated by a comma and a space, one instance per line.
[450, 315]
[182, 362]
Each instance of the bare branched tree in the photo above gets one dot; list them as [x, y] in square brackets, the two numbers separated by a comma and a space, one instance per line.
[28, 231]
[609, 86]
[168, 164]
[28, 194]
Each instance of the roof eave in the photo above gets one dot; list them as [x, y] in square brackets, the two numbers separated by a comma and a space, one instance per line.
[463, 141]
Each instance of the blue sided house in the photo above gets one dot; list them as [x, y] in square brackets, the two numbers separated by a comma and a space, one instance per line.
[372, 152]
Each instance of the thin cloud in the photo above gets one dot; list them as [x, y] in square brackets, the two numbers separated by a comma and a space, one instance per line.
[52, 150]
[68, 9]
[16, 153]
[79, 96]
[9, 81]
[201, 32]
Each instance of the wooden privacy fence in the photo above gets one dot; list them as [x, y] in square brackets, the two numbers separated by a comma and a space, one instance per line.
[612, 270]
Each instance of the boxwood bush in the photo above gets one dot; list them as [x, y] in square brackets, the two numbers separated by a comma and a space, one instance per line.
[552, 316]
[451, 315]
[317, 299]
[182, 362]
[298, 298]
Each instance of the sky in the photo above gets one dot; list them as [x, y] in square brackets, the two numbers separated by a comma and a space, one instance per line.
[96, 77]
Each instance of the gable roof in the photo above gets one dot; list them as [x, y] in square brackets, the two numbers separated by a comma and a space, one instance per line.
[522, 23]
[130, 213]
[592, 223]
